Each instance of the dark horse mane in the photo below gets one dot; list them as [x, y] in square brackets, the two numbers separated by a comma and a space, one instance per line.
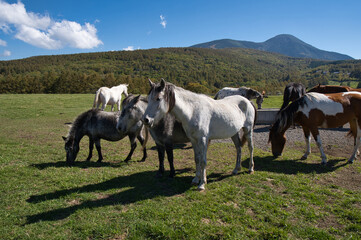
[131, 97]
[79, 121]
[286, 116]
[329, 89]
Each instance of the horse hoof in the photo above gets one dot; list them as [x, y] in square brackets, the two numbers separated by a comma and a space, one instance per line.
[99, 161]
[303, 158]
[234, 172]
[201, 188]
[323, 163]
[350, 162]
[251, 172]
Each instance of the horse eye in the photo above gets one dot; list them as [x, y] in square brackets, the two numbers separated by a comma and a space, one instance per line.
[158, 99]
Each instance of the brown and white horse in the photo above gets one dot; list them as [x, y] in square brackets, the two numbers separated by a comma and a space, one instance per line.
[315, 110]
[332, 89]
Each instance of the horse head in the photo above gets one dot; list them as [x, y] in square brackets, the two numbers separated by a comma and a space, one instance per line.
[131, 114]
[259, 101]
[71, 149]
[277, 139]
[161, 100]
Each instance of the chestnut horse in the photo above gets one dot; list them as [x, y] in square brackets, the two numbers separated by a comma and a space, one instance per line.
[315, 110]
[332, 89]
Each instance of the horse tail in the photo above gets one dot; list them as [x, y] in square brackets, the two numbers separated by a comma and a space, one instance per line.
[96, 99]
[244, 139]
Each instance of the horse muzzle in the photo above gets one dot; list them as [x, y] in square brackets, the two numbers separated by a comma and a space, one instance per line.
[148, 121]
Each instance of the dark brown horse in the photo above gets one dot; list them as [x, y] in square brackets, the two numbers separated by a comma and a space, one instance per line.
[315, 110]
[292, 92]
[332, 89]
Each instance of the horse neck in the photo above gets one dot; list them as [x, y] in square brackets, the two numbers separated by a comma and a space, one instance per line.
[183, 108]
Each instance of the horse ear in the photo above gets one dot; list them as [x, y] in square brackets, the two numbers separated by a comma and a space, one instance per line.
[151, 84]
[64, 138]
[137, 98]
[162, 84]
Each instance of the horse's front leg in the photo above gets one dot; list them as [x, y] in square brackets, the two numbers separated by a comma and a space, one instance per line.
[133, 145]
[316, 136]
[200, 155]
[91, 147]
[307, 135]
[169, 149]
[161, 152]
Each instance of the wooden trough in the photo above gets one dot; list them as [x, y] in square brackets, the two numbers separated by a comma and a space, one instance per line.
[266, 116]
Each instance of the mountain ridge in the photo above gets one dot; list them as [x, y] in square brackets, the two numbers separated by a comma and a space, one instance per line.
[284, 44]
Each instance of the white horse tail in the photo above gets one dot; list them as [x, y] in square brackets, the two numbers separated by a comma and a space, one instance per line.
[96, 99]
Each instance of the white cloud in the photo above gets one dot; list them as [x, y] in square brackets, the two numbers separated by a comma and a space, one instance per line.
[129, 48]
[3, 43]
[42, 31]
[163, 22]
[6, 53]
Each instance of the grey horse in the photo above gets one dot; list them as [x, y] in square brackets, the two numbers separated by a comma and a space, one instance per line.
[97, 124]
[165, 134]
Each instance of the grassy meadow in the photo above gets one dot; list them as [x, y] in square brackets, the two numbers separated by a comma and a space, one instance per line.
[42, 198]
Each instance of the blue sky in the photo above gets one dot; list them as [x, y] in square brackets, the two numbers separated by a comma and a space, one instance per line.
[48, 27]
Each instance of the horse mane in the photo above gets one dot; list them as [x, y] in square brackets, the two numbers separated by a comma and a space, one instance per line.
[168, 93]
[79, 121]
[130, 97]
[286, 116]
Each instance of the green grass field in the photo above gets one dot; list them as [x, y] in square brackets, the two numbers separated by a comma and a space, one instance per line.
[42, 198]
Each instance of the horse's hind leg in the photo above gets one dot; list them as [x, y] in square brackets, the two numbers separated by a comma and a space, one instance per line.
[248, 135]
[91, 147]
[237, 143]
[99, 149]
[357, 143]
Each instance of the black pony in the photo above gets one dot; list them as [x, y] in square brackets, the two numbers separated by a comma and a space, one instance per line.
[292, 92]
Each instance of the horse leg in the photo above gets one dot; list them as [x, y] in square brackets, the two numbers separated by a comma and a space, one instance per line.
[111, 109]
[353, 130]
[118, 105]
[91, 147]
[161, 151]
[141, 140]
[103, 106]
[357, 143]
[99, 149]
[307, 135]
[200, 152]
[169, 149]
[248, 134]
[237, 143]
[133, 145]
[316, 136]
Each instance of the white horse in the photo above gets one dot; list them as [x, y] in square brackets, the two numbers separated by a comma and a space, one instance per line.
[204, 119]
[110, 96]
[246, 92]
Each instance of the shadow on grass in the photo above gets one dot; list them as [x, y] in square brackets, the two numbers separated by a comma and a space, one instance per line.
[82, 164]
[138, 187]
[270, 164]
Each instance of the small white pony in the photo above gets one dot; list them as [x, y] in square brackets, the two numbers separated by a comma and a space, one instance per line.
[246, 92]
[110, 96]
[204, 119]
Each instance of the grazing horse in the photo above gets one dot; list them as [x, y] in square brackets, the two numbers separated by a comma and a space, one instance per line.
[332, 89]
[204, 119]
[110, 96]
[315, 110]
[246, 92]
[165, 134]
[98, 125]
[292, 92]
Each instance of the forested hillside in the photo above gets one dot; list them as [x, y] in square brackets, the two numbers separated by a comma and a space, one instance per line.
[200, 70]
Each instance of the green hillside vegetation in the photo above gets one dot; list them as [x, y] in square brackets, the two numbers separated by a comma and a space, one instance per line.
[199, 70]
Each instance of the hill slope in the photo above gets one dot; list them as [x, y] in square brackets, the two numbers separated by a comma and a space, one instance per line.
[284, 44]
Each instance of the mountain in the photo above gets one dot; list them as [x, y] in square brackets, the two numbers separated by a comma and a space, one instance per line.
[284, 44]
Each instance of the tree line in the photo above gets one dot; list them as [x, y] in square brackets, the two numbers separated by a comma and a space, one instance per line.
[199, 70]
